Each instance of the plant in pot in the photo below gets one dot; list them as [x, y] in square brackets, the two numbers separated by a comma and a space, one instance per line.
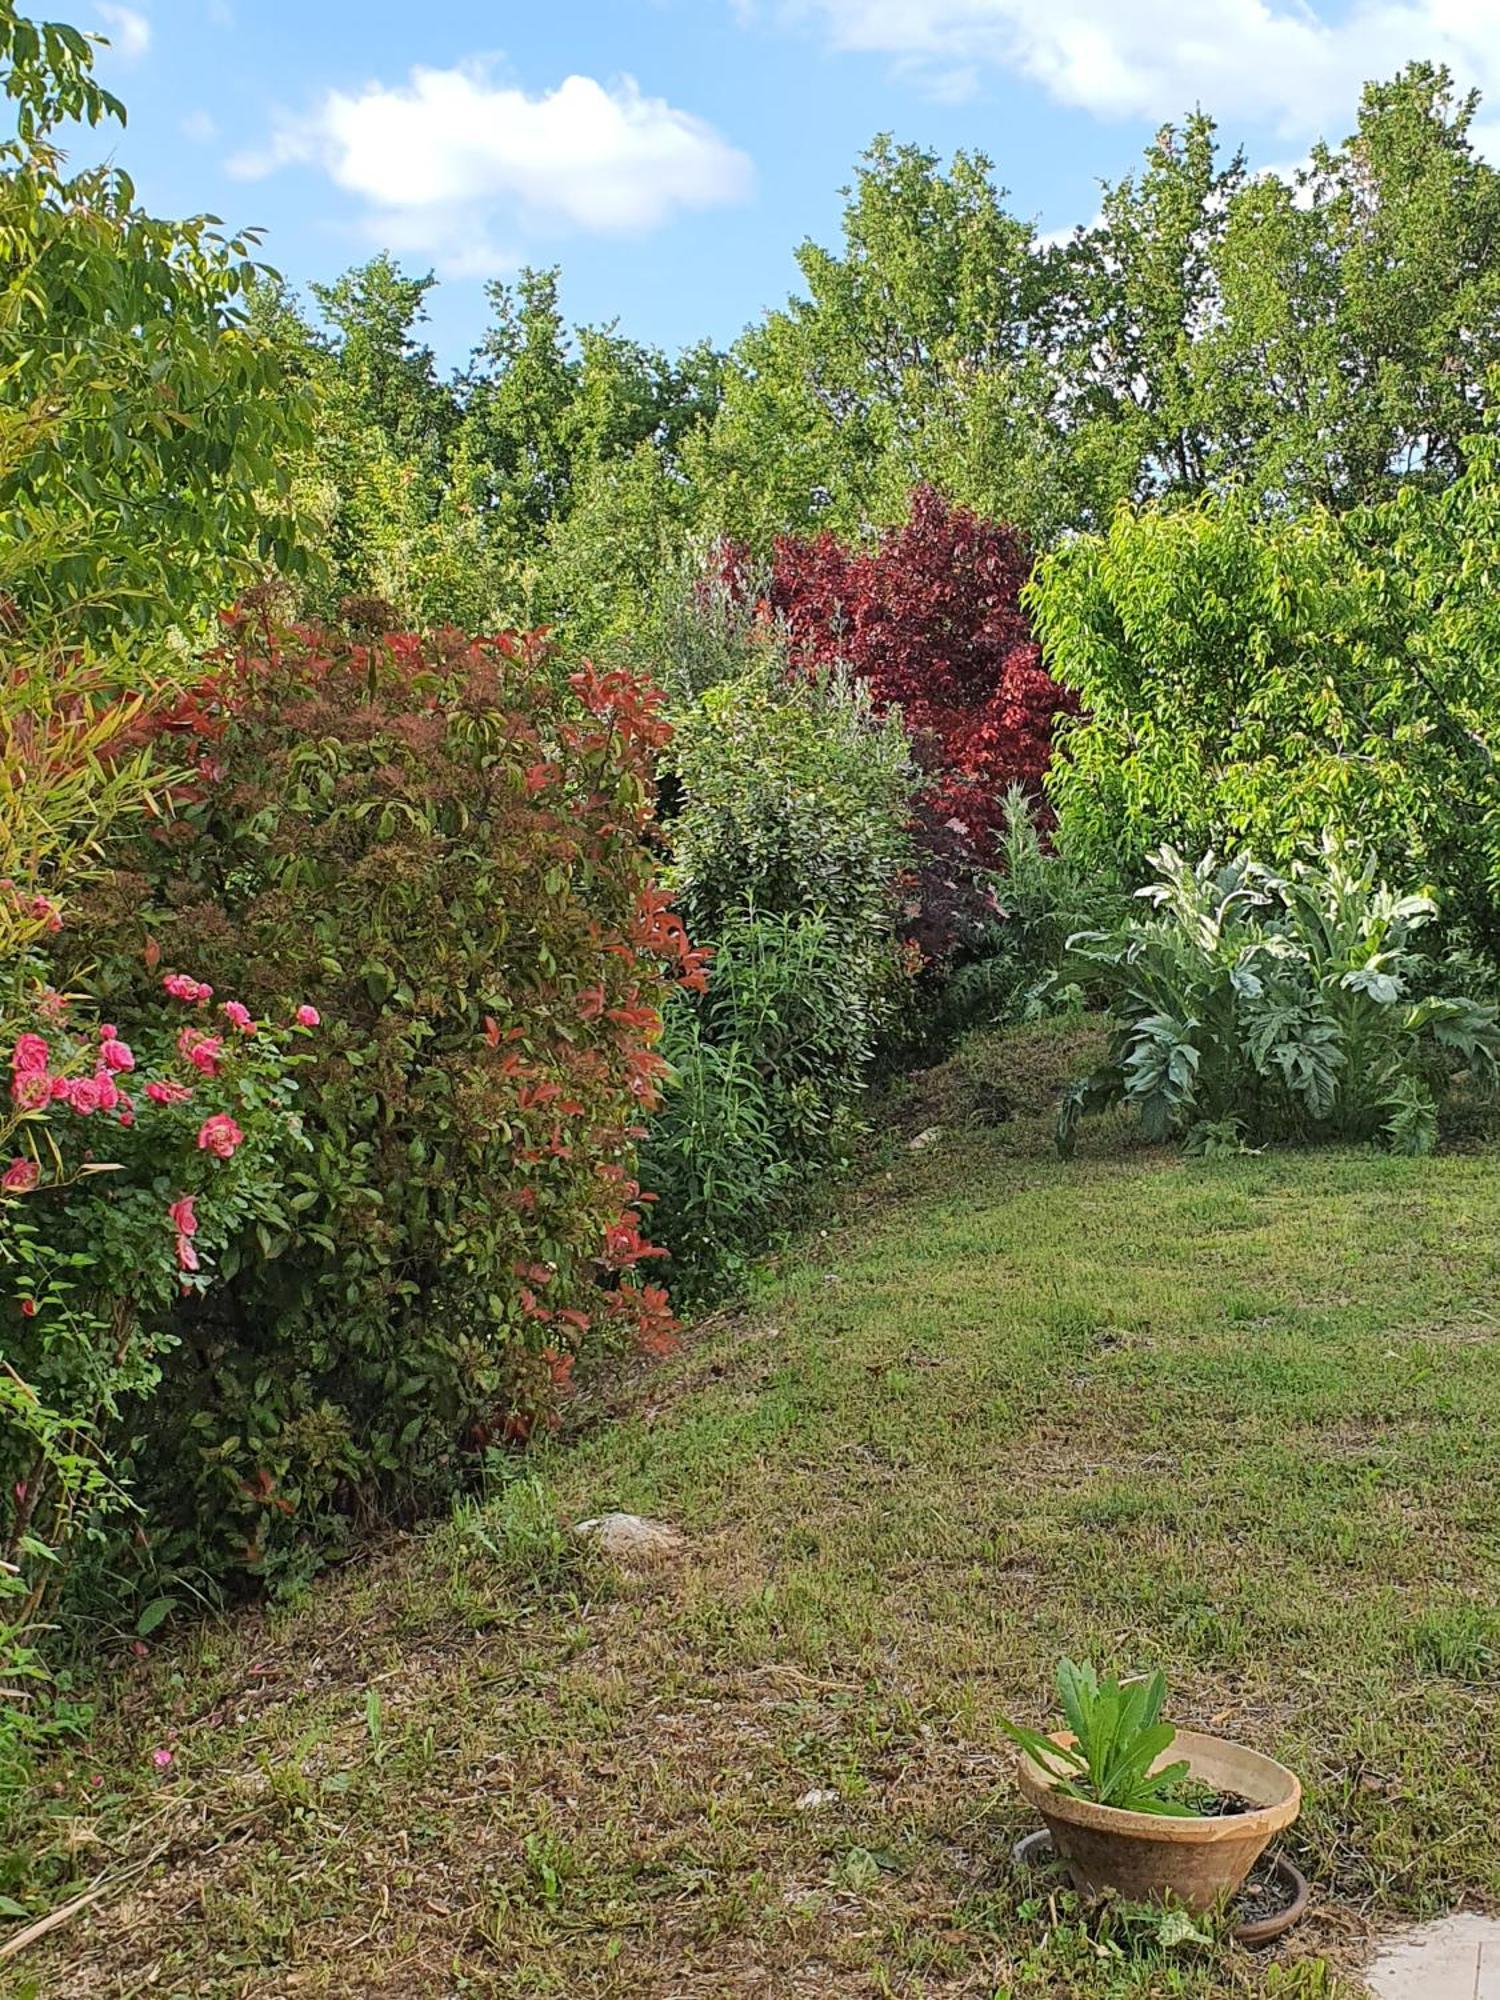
[1152, 1813]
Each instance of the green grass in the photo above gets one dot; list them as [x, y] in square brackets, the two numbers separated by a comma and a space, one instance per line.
[1239, 1419]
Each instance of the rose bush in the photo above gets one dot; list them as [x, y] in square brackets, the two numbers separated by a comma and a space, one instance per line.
[137, 1171]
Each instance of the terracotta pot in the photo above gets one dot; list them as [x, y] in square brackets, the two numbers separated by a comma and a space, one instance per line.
[1151, 1859]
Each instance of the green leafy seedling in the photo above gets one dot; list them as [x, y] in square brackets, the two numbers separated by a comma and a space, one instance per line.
[1119, 1736]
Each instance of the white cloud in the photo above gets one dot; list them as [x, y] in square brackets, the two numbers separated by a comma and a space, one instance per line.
[1280, 62]
[129, 32]
[199, 126]
[438, 158]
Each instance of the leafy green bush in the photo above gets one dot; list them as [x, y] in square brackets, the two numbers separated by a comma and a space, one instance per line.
[1252, 1006]
[711, 1157]
[448, 855]
[790, 852]
[1249, 683]
[795, 800]
[1040, 897]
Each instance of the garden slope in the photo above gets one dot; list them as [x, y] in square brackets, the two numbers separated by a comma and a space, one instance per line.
[1241, 1419]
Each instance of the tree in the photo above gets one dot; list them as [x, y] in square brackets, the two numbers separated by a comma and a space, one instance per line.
[1137, 296]
[390, 376]
[1360, 308]
[836, 405]
[929, 619]
[144, 479]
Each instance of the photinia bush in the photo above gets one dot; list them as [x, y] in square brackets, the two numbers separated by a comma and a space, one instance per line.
[929, 618]
[446, 850]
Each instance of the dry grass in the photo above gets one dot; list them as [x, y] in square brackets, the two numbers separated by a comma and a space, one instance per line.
[1238, 1418]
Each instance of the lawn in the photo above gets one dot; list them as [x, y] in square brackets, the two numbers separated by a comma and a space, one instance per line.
[1240, 1418]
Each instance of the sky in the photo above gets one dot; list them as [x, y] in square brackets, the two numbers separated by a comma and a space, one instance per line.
[670, 155]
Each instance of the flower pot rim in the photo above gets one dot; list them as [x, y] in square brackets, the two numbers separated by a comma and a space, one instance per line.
[1275, 1792]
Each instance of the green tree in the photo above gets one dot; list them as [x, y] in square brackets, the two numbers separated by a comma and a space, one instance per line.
[389, 374]
[934, 309]
[1137, 294]
[144, 477]
[1358, 312]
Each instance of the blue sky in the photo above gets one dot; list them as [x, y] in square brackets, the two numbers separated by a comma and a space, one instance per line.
[670, 154]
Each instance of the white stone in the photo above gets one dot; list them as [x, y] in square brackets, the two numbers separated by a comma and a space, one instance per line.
[1457, 1958]
[632, 1538]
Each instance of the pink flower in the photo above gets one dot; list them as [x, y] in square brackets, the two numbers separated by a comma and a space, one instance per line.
[115, 1054]
[308, 1016]
[219, 1135]
[29, 1055]
[31, 1089]
[58, 1087]
[187, 1256]
[52, 1006]
[164, 1091]
[201, 1050]
[237, 1014]
[20, 1177]
[28, 1307]
[109, 1095]
[182, 988]
[182, 1217]
[84, 1095]
[107, 1031]
[162, 1759]
[46, 909]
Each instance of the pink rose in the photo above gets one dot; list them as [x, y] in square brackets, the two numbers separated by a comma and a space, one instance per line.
[115, 1054]
[219, 1135]
[237, 1014]
[182, 1217]
[182, 988]
[107, 1031]
[32, 1088]
[201, 1050]
[308, 1016]
[109, 1095]
[84, 1095]
[164, 1091]
[187, 1256]
[20, 1177]
[29, 1055]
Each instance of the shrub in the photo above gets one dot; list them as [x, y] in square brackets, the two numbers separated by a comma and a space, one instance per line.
[1252, 1006]
[712, 1157]
[794, 801]
[929, 618]
[448, 855]
[141, 1161]
[1246, 683]
[791, 859]
[1040, 898]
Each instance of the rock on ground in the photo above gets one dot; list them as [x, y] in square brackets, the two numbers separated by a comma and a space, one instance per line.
[632, 1538]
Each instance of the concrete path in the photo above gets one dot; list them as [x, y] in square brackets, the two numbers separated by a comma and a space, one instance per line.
[1455, 1959]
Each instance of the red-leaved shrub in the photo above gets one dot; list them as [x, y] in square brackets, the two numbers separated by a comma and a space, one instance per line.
[444, 849]
[929, 616]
